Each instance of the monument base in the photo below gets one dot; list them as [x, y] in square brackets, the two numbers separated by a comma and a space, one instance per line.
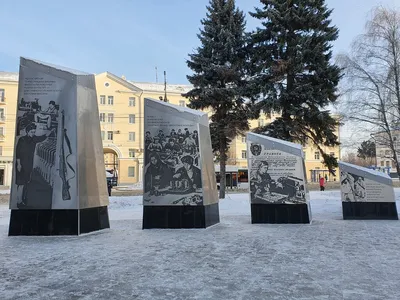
[280, 214]
[180, 216]
[58, 221]
[369, 211]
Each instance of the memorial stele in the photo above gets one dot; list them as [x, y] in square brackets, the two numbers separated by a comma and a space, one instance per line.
[366, 193]
[179, 189]
[278, 183]
[59, 182]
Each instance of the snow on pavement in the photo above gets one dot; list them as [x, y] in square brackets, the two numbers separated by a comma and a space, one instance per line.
[329, 259]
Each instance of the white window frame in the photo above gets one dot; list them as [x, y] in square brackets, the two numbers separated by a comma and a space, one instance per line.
[112, 118]
[134, 119]
[102, 100]
[129, 173]
[108, 135]
[100, 117]
[110, 98]
[132, 101]
[317, 155]
[133, 135]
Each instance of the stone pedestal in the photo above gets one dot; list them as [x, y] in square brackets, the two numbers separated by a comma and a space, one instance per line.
[59, 183]
[366, 194]
[278, 184]
[180, 189]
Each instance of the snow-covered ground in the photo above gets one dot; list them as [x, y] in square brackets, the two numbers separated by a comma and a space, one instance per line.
[133, 187]
[329, 259]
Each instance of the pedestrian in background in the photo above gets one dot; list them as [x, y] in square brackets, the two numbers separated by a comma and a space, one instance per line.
[322, 184]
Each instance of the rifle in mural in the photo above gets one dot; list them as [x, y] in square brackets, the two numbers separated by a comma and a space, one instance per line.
[64, 165]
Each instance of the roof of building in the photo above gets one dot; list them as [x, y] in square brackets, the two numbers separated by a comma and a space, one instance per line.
[8, 76]
[122, 81]
[145, 86]
[159, 87]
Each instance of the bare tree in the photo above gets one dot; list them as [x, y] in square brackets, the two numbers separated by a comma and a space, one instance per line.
[352, 158]
[372, 79]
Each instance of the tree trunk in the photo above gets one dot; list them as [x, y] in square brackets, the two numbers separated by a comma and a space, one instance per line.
[222, 167]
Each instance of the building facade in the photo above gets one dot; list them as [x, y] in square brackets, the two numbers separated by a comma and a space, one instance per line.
[121, 122]
[313, 157]
[384, 154]
[8, 109]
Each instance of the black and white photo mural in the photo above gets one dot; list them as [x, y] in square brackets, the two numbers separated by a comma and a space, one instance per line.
[178, 169]
[58, 183]
[276, 171]
[44, 164]
[366, 193]
[172, 164]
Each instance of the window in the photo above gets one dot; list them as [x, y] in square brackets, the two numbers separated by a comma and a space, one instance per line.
[1, 150]
[388, 164]
[132, 119]
[102, 99]
[2, 114]
[244, 154]
[102, 135]
[132, 101]
[1, 131]
[316, 155]
[182, 103]
[110, 118]
[131, 152]
[260, 123]
[382, 163]
[244, 139]
[102, 117]
[387, 152]
[131, 171]
[110, 135]
[2, 92]
[110, 100]
[132, 136]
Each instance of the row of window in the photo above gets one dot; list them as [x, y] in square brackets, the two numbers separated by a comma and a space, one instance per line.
[110, 118]
[110, 136]
[131, 101]
[110, 100]
[388, 164]
[2, 95]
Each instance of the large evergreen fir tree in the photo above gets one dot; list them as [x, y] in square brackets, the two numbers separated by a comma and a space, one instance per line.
[218, 67]
[292, 71]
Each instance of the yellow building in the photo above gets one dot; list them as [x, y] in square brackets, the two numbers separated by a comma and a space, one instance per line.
[8, 107]
[313, 158]
[121, 121]
[121, 118]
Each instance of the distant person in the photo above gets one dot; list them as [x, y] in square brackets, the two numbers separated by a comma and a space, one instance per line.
[109, 187]
[322, 184]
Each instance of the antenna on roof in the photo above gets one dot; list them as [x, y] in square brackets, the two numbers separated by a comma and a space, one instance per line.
[165, 87]
[156, 76]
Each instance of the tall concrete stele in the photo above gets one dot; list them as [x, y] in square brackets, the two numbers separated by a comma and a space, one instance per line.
[366, 193]
[180, 189]
[59, 182]
[278, 182]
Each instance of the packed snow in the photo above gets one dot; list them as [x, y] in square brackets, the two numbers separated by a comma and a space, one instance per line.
[328, 259]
